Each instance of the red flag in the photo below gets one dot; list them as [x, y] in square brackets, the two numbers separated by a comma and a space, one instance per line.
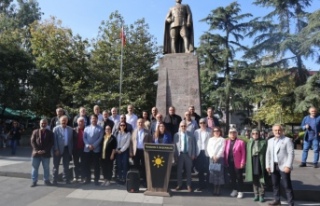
[123, 37]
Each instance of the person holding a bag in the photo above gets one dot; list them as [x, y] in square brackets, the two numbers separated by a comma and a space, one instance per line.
[255, 166]
[215, 150]
[235, 160]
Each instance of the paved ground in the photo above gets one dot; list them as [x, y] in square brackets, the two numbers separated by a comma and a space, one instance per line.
[15, 189]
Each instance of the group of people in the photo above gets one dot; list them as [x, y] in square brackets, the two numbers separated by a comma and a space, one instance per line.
[199, 144]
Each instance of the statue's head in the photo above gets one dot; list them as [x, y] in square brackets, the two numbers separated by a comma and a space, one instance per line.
[178, 1]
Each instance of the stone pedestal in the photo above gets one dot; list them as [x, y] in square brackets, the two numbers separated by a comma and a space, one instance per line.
[178, 83]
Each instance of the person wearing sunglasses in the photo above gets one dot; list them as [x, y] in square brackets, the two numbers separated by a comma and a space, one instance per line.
[122, 153]
[255, 164]
[185, 151]
[202, 136]
[235, 160]
[215, 150]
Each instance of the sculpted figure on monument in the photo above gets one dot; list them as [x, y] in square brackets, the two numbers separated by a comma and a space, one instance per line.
[178, 32]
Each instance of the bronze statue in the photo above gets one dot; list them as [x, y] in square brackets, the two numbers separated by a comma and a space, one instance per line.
[178, 32]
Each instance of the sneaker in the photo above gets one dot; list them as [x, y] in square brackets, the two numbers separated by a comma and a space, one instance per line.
[256, 198]
[107, 183]
[234, 193]
[240, 195]
[48, 183]
[261, 199]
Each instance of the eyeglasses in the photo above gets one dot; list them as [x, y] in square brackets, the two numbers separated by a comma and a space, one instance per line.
[122, 125]
[254, 133]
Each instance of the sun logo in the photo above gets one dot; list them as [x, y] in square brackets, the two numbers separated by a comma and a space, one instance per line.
[158, 161]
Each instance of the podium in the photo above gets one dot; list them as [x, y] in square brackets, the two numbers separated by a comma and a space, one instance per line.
[158, 161]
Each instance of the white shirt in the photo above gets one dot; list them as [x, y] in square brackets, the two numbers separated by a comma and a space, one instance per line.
[140, 134]
[132, 119]
[277, 142]
[115, 119]
[203, 135]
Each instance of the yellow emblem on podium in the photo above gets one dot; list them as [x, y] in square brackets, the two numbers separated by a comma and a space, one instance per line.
[158, 161]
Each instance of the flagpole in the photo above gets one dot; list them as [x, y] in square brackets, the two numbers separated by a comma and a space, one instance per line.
[121, 65]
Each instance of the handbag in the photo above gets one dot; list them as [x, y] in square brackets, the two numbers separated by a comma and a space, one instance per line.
[215, 167]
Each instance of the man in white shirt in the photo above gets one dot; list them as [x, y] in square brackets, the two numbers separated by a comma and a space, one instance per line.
[114, 116]
[131, 118]
[139, 136]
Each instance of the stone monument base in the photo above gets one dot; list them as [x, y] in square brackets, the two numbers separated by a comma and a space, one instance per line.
[178, 83]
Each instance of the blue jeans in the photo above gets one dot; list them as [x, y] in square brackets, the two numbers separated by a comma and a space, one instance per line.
[306, 147]
[13, 144]
[35, 168]
[122, 163]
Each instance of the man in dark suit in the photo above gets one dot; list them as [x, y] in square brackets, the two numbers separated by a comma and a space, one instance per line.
[185, 152]
[138, 138]
[172, 121]
[42, 143]
[63, 145]
[106, 120]
[117, 126]
[155, 123]
[279, 160]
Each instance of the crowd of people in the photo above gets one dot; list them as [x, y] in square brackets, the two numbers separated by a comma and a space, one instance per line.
[110, 141]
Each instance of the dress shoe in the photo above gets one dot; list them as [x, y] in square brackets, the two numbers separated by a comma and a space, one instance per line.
[275, 203]
[178, 188]
[34, 184]
[199, 189]
[303, 164]
[315, 165]
[48, 183]
[189, 189]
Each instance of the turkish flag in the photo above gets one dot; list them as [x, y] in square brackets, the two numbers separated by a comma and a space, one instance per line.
[123, 37]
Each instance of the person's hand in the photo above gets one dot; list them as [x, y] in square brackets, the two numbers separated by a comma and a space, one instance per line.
[242, 166]
[287, 170]
[307, 126]
[268, 170]
[112, 157]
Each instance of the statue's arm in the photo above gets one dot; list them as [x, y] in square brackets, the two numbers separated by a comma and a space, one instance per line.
[189, 16]
[169, 17]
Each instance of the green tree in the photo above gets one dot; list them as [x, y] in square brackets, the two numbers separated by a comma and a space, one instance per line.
[217, 54]
[139, 55]
[280, 39]
[62, 67]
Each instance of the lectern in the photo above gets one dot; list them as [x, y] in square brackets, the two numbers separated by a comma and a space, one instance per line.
[158, 161]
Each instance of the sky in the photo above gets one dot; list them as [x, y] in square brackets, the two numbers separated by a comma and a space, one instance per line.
[84, 17]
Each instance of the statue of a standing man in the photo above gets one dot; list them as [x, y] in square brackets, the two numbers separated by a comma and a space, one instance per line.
[178, 32]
